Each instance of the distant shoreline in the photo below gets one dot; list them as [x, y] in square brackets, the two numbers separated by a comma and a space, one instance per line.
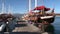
[57, 14]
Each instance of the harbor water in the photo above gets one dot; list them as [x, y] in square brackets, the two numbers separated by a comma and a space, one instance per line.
[56, 25]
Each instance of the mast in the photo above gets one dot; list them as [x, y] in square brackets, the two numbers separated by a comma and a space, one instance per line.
[2, 7]
[9, 11]
[29, 5]
[42, 11]
[35, 3]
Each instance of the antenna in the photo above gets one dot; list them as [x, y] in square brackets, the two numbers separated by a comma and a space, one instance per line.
[54, 6]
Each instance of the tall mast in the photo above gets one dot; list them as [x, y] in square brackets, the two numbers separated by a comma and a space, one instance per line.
[29, 5]
[2, 6]
[35, 3]
[9, 11]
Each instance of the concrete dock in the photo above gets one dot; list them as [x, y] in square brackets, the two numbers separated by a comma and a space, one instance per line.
[24, 28]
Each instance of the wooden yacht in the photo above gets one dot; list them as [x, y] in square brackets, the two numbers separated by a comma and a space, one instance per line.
[40, 14]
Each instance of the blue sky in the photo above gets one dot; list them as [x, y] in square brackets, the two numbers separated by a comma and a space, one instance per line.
[21, 6]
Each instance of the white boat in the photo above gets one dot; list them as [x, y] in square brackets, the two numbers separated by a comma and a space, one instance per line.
[2, 27]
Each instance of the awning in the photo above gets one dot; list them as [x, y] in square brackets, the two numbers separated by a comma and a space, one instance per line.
[41, 8]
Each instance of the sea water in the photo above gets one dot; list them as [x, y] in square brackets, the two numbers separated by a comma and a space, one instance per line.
[56, 25]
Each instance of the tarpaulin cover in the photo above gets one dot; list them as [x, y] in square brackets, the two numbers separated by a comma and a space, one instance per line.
[41, 8]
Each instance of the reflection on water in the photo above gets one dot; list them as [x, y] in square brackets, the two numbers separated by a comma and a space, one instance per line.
[50, 29]
[57, 25]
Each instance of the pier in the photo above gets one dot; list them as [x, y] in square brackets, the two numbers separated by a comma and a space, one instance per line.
[24, 28]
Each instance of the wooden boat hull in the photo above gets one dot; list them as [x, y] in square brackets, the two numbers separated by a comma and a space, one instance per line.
[49, 20]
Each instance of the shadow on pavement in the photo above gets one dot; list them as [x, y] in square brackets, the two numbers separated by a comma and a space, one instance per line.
[20, 33]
